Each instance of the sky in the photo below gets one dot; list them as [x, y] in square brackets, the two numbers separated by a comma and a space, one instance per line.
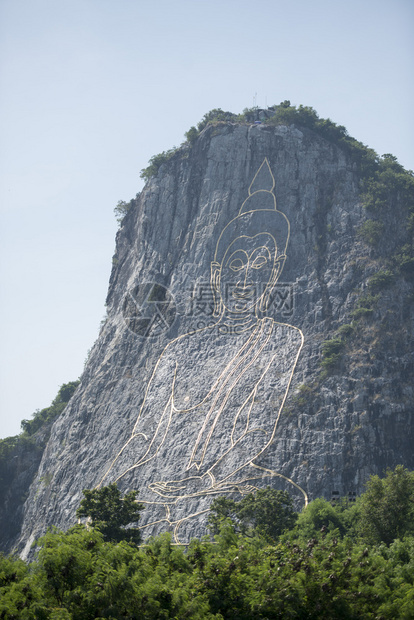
[91, 89]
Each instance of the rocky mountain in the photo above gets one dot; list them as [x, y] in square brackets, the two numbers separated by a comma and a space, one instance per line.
[259, 330]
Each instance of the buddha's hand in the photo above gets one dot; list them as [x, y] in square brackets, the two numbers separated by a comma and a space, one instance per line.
[188, 487]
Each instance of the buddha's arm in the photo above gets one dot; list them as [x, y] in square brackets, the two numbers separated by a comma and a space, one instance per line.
[152, 422]
[217, 468]
[155, 412]
[249, 431]
[252, 432]
[250, 445]
[255, 424]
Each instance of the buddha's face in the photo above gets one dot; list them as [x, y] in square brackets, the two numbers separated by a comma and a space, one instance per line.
[247, 270]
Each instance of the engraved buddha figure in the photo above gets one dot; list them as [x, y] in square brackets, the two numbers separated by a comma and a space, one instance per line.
[212, 405]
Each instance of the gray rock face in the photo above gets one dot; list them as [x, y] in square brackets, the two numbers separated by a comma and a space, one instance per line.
[215, 386]
[16, 476]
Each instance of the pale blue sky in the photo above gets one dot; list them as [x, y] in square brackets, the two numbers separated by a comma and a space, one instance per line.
[91, 89]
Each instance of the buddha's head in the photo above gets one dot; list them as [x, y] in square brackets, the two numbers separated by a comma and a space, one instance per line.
[251, 251]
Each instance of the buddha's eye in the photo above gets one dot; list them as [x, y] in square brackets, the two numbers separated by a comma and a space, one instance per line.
[236, 264]
[259, 262]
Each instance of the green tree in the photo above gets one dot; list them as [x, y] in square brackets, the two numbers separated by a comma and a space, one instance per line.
[79, 576]
[387, 506]
[191, 135]
[16, 591]
[267, 513]
[320, 515]
[110, 513]
[155, 162]
[371, 231]
[122, 209]
[214, 116]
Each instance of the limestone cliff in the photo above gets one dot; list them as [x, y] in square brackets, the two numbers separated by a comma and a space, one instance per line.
[312, 394]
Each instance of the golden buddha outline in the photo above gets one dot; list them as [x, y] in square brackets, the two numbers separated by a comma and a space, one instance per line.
[224, 422]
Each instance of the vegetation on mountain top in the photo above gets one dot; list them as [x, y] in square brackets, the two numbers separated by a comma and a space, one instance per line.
[282, 114]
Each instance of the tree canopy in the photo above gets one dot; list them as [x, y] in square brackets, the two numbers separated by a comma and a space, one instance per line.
[267, 513]
[110, 513]
[323, 565]
[387, 506]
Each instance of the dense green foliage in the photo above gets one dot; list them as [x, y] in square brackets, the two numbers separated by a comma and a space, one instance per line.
[332, 352]
[79, 576]
[390, 183]
[327, 565]
[156, 162]
[215, 116]
[387, 506]
[266, 514]
[110, 513]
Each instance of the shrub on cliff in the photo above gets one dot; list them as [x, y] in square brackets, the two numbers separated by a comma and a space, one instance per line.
[48, 414]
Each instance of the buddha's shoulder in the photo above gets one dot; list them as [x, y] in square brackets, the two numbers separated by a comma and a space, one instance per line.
[195, 342]
[286, 332]
[187, 341]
